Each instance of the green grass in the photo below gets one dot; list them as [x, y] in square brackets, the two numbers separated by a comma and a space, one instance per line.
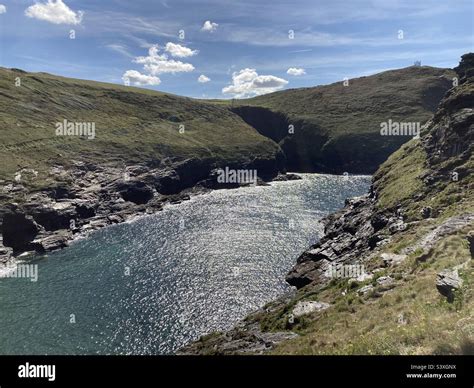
[132, 125]
[399, 177]
[433, 325]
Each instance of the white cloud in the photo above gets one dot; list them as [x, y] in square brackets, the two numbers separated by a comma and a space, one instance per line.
[296, 71]
[54, 11]
[247, 82]
[169, 66]
[179, 51]
[209, 26]
[203, 79]
[156, 63]
[3, 9]
[136, 78]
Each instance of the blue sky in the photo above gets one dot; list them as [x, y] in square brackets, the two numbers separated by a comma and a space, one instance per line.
[235, 48]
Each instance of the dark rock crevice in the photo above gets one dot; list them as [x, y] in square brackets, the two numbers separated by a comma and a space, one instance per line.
[308, 148]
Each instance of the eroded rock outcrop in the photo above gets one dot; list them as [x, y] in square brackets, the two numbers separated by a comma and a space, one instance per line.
[103, 195]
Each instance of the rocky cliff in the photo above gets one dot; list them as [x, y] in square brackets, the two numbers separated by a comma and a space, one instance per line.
[393, 273]
[336, 128]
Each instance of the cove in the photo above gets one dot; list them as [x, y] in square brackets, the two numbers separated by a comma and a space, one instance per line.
[153, 285]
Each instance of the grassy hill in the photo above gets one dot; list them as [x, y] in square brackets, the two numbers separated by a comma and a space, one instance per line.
[337, 127]
[132, 126]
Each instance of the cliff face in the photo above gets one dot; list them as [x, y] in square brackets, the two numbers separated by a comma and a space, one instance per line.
[336, 128]
[393, 273]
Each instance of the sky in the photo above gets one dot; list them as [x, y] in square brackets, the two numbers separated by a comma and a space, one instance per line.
[231, 49]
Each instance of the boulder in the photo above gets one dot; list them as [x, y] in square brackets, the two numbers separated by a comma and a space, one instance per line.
[397, 226]
[385, 280]
[308, 307]
[448, 281]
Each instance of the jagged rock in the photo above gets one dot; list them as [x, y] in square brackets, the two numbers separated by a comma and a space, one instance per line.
[61, 192]
[397, 226]
[308, 307]
[321, 253]
[115, 218]
[5, 253]
[448, 281]
[244, 339]
[347, 237]
[375, 240]
[449, 226]
[137, 169]
[356, 201]
[51, 242]
[303, 274]
[465, 69]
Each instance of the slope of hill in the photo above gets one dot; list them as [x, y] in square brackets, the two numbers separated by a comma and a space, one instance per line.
[394, 272]
[132, 125]
[337, 127]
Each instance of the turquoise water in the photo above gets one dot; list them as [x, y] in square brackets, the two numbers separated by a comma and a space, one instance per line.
[154, 284]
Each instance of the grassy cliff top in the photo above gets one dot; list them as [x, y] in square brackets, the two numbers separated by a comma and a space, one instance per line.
[131, 125]
[360, 106]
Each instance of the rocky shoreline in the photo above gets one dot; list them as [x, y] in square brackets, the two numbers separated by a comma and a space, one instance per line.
[99, 196]
[351, 236]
